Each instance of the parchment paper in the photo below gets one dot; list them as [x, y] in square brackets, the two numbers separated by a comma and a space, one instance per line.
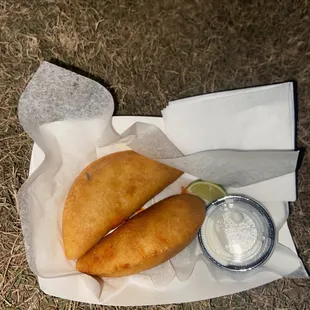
[69, 117]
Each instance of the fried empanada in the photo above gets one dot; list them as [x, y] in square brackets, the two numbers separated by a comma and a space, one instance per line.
[106, 193]
[147, 239]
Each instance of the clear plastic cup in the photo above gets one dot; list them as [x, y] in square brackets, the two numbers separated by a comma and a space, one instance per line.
[238, 233]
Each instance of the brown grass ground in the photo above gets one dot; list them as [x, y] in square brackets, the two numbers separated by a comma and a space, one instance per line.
[150, 52]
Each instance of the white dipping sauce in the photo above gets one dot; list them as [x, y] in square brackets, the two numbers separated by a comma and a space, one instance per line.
[234, 233]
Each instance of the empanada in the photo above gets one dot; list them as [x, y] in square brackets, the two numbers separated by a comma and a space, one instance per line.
[106, 193]
[147, 239]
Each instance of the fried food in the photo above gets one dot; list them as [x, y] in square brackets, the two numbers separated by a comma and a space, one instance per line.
[106, 193]
[147, 239]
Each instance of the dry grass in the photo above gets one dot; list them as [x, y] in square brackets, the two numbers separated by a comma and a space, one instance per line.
[150, 52]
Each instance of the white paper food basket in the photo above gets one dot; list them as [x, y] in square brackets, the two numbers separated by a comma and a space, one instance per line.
[199, 286]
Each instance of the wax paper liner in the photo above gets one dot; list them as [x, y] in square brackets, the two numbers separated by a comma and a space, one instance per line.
[69, 117]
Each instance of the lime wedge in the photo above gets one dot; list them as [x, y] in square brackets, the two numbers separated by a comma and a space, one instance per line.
[206, 190]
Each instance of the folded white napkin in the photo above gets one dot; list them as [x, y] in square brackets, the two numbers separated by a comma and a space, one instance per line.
[259, 118]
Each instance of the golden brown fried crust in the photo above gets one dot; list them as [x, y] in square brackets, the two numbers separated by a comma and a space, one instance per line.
[106, 193]
[146, 240]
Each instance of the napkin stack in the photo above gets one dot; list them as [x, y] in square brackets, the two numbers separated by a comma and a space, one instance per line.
[259, 118]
